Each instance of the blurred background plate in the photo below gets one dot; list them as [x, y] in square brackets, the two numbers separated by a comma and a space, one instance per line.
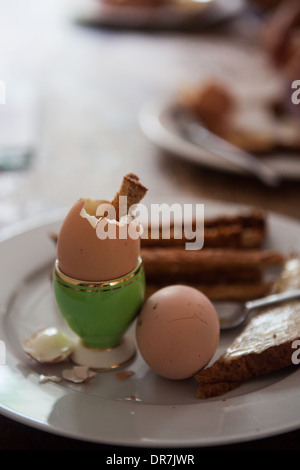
[157, 121]
[189, 13]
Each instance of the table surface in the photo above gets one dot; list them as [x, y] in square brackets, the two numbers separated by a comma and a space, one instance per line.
[89, 84]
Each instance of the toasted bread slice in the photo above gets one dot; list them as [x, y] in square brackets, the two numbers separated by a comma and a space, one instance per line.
[133, 190]
[265, 344]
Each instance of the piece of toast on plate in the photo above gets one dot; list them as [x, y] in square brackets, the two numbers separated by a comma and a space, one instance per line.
[264, 346]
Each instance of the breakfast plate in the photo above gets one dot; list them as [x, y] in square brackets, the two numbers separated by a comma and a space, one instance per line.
[144, 410]
[158, 123]
[181, 13]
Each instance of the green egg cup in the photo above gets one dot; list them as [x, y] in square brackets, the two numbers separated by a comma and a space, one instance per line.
[100, 313]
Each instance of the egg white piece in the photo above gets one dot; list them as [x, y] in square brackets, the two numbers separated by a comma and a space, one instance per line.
[48, 346]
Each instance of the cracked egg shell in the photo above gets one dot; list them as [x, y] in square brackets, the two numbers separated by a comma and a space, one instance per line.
[48, 346]
[84, 256]
[177, 331]
[78, 374]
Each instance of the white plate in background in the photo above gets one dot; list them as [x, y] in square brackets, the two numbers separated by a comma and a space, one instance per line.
[157, 123]
[199, 13]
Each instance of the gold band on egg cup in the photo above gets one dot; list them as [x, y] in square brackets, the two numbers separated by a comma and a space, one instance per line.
[94, 286]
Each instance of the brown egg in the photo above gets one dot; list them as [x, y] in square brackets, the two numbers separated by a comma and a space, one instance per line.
[83, 255]
[177, 331]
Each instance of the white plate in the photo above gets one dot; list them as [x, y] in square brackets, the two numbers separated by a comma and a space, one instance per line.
[157, 122]
[165, 413]
[202, 12]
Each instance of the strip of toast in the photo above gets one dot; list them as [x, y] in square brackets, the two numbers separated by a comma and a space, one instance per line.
[227, 236]
[265, 344]
[243, 230]
[134, 192]
[231, 291]
[169, 263]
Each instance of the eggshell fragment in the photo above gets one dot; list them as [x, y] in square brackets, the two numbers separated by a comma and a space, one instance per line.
[123, 375]
[78, 374]
[177, 331]
[84, 256]
[48, 346]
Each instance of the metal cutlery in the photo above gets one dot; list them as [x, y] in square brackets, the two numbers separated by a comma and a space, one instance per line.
[240, 312]
[193, 131]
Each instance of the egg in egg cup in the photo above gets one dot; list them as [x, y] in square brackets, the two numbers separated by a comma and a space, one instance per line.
[99, 283]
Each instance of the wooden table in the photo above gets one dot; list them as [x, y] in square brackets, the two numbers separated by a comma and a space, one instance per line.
[91, 84]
